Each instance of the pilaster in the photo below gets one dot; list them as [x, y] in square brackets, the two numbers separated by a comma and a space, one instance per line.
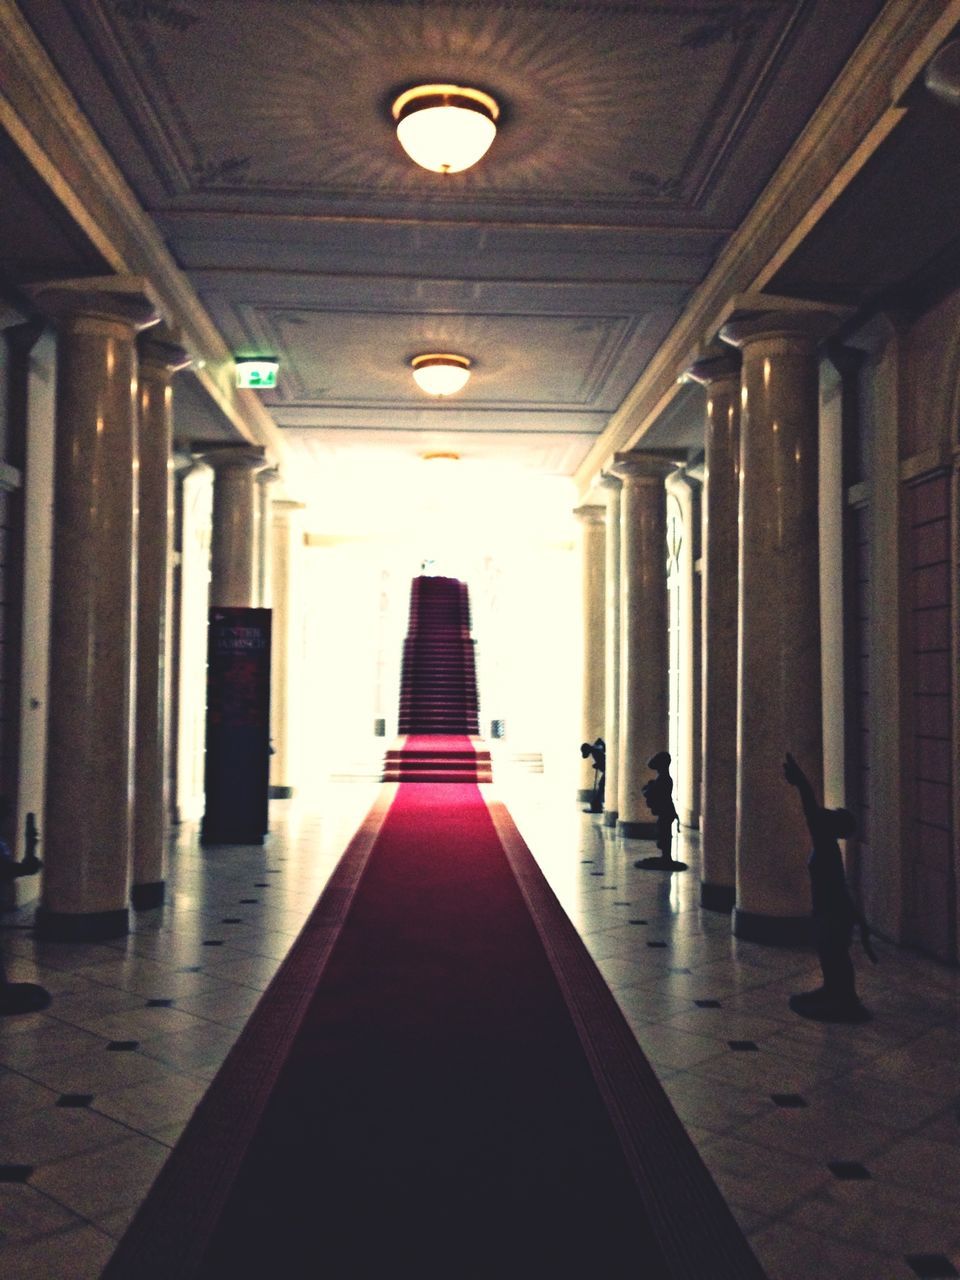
[592, 602]
[643, 630]
[286, 649]
[720, 376]
[266, 479]
[612, 485]
[160, 358]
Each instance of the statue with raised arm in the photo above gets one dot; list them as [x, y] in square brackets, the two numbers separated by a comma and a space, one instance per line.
[834, 911]
[598, 751]
[19, 997]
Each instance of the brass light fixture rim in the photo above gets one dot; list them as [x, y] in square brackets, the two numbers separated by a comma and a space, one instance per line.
[421, 96]
[429, 359]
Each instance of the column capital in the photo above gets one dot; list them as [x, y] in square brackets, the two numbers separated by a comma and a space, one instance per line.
[268, 476]
[591, 514]
[802, 329]
[645, 464]
[239, 457]
[10, 317]
[847, 360]
[691, 476]
[607, 480]
[184, 461]
[159, 350]
[709, 370]
[288, 506]
[125, 300]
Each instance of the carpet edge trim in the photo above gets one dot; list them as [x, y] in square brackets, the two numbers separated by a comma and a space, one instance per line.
[683, 1188]
[227, 1116]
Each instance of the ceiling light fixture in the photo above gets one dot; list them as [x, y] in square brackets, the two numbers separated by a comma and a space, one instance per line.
[439, 374]
[942, 76]
[445, 127]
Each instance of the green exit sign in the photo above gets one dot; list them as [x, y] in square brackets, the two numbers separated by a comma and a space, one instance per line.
[256, 372]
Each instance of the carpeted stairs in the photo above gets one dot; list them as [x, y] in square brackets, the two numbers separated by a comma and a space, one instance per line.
[439, 707]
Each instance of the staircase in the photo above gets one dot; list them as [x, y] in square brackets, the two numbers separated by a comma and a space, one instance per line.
[438, 689]
[439, 708]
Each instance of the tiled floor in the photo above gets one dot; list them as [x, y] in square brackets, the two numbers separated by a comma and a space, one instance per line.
[837, 1147]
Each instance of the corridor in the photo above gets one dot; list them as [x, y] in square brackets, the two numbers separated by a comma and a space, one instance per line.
[835, 1146]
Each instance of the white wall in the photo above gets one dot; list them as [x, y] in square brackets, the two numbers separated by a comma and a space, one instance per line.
[38, 560]
[510, 535]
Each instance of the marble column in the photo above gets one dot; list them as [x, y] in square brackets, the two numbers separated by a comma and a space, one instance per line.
[286, 646]
[88, 810]
[611, 720]
[195, 515]
[778, 666]
[720, 376]
[160, 358]
[266, 479]
[592, 611]
[643, 630]
[235, 547]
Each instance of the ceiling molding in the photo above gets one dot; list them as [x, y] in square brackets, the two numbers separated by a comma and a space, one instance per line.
[437, 219]
[851, 115]
[403, 295]
[493, 419]
[716, 61]
[45, 122]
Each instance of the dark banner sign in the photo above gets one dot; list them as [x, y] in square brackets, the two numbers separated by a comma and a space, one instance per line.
[237, 766]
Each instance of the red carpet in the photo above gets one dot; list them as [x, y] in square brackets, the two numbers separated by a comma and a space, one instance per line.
[437, 1084]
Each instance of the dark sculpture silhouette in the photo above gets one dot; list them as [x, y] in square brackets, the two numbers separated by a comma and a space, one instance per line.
[658, 793]
[19, 997]
[598, 750]
[834, 911]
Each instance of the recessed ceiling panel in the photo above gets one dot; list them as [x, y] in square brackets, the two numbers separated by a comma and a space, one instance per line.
[608, 105]
[635, 136]
[562, 361]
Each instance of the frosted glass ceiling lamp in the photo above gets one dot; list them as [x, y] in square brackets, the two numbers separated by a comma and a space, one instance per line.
[440, 375]
[445, 127]
[942, 76]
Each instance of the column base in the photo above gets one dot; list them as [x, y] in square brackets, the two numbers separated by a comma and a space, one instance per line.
[610, 818]
[144, 897]
[92, 926]
[717, 897]
[773, 931]
[217, 835]
[585, 793]
[280, 793]
[22, 997]
[637, 830]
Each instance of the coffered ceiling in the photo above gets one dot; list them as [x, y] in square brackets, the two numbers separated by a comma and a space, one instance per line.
[635, 138]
